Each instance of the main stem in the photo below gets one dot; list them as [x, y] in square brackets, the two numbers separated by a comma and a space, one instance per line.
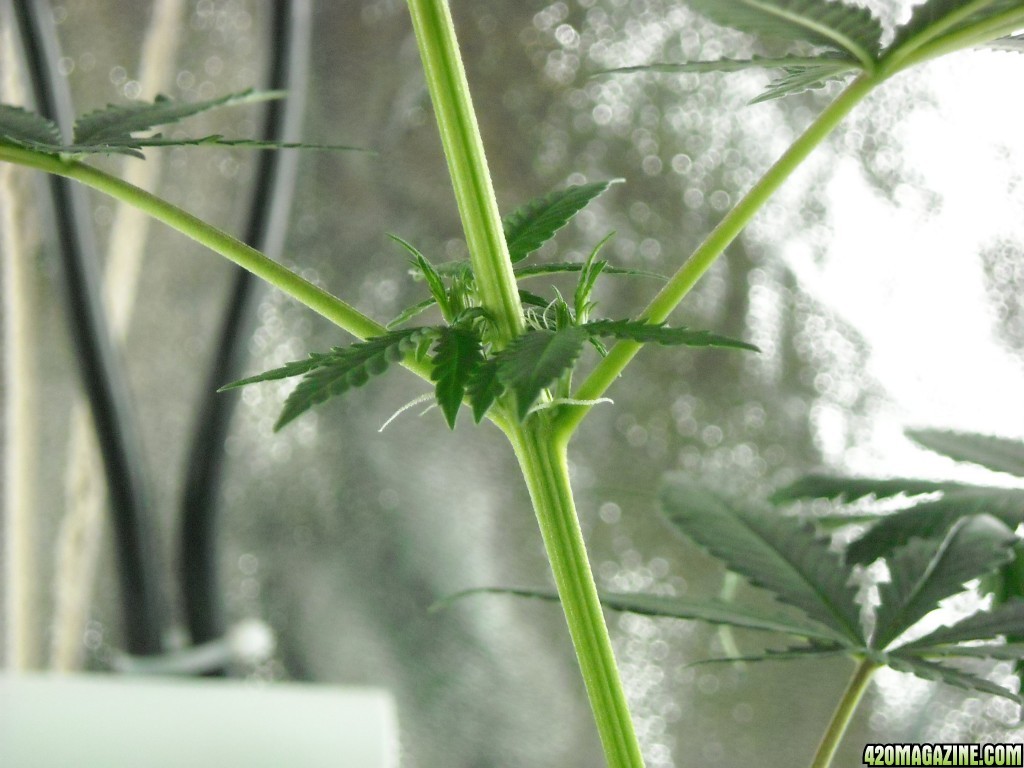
[542, 457]
[844, 713]
[541, 451]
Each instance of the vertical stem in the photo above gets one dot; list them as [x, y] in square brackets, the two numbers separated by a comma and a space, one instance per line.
[843, 714]
[542, 458]
[467, 165]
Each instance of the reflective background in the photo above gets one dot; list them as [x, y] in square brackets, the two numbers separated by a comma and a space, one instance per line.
[882, 284]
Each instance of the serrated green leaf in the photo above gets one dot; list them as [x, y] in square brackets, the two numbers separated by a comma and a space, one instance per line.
[297, 368]
[815, 486]
[434, 282]
[796, 653]
[778, 553]
[839, 26]
[926, 571]
[710, 610]
[409, 313]
[483, 388]
[535, 360]
[28, 129]
[725, 65]
[530, 226]
[931, 519]
[1004, 619]
[935, 20]
[997, 651]
[930, 670]
[457, 354]
[637, 330]
[116, 123]
[350, 367]
[799, 79]
[996, 453]
[572, 267]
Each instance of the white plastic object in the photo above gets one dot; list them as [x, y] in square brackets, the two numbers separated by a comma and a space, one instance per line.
[107, 721]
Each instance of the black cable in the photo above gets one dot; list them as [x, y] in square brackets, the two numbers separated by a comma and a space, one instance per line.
[102, 376]
[291, 29]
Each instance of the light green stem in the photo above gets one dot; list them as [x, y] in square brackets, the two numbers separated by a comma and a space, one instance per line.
[467, 165]
[844, 713]
[605, 373]
[542, 458]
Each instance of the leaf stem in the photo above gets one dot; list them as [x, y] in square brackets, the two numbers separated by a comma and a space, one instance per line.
[543, 460]
[467, 165]
[844, 713]
[658, 310]
[312, 296]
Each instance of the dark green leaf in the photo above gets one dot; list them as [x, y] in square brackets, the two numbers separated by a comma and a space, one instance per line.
[299, 367]
[1005, 619]
[116, 124]
[533, 300]
[27, 129]
[427, 271]
[926, 571]
[853, 488]
[457, 355]
[350, 367]
[930, 670]
[931, 519]
[483, 388]
[637, 330]
[996, 453]
[529, 227]
[535, 360]
[778, 553]
[839, 26]
[409, 313]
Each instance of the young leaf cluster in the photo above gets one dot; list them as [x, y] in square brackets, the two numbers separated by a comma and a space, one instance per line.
[465, 365]
[115, 129]
[846, 38]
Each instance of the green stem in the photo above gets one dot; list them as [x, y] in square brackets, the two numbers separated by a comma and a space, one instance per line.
[467, 165]
[605, 373]
[844, 713]
[542, 458]
[320, 301]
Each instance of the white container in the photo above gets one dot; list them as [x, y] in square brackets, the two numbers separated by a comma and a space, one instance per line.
[106, 721]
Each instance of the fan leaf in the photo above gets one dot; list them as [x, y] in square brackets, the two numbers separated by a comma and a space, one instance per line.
[930, 670]
[457, 354]
[1004, 619]
[534, 270]
[836, 25]
[710, 610]
[342, 369]
[853, 488]
[639, 331]
[530, 226]
[116, 123]
[778, 553]
[725, 65]
[996, 453]
[28, 129]
[931, 519]
[535, 360]
[926, 571]
[799, 79]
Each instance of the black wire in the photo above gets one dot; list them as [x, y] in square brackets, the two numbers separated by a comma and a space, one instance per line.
[291, 29]
[102, 375]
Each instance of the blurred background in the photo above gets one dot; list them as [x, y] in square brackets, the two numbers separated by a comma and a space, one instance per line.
[882, 284]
